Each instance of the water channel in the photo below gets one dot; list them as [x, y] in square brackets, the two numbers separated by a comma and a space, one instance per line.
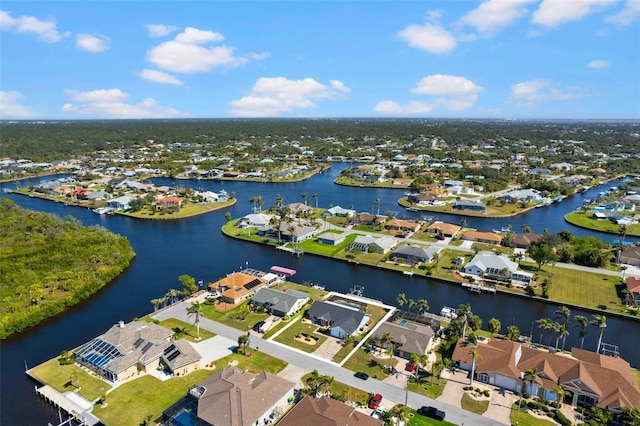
[196, 246]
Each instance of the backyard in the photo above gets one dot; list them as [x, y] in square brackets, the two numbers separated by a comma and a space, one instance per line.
[65, 378]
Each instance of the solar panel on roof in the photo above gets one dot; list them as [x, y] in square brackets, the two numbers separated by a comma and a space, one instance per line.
[173, 355]
[252, 284]
[169, 349]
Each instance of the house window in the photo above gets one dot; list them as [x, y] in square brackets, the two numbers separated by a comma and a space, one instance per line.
[586, 401]
[483, 378]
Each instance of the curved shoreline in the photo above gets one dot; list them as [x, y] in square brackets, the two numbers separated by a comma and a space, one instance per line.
[454, 282]
[629, 234]
[465, 213]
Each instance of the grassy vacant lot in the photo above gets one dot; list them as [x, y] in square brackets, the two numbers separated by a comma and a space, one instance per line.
[213, 312]
[316, 294]
[473, 405]
[522, 418]
[343, 392]
[187, 210]
[427, 388]
[374, 367]
[584, 219]
[59, 377]
[288, 337]
[188, 331]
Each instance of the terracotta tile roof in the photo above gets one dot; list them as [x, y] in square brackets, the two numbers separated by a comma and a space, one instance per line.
[447, 228]
[326, 412]
[633, 284]
[479, 235]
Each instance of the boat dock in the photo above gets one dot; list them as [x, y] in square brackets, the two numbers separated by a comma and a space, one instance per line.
[71, 403]
[295, 251]
[479, 288]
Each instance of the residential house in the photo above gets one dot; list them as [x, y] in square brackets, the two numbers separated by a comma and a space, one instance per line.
[234, 397]
[169, 203]
[454, 186]
[280, 303]
[120, 203]
[425, 199]
[587, 378]
[342, 320]
[331, 238]
[483, 237]
[339, 212]
[300, 209]
[415, 254]
[212, 197]
[367, 219]
[521, 195]
[128, 349]
[445, 229]
[487, 264]
[294, 232]
[326, 411]
[371, 244]
[238, 287]
[467, 205]
[407, 337]
[258, 220]
[406, 226]
[630, 255]
[633, 285]
[525, 240]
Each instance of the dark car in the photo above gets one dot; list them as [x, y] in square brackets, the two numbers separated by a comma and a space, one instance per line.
[432, 412]
[361, 375]
[257, 327]
[375, 401]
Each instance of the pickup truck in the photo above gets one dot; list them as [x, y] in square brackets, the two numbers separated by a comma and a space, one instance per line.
[432, 412]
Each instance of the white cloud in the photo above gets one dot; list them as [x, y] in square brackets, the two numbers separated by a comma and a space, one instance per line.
[159, 30]
[494, 15]
[448, 91]
[92, 43]
[270, 97]
[529, 93]
[189, 52]
[159, 77]
[12, 105]
[553, 13]
[45, 30]
[598, 64]
[626, 16]
[110, 103]
[430, 37]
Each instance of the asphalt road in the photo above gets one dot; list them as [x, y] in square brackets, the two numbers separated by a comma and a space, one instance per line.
[310, 362]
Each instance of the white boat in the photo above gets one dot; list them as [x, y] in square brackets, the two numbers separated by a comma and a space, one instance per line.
[100, 210]
[448, 312]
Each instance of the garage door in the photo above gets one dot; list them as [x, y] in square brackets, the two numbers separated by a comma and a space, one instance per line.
[506, 382]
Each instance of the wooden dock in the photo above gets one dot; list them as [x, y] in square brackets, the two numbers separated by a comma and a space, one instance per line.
[479, 288]
[293, 251]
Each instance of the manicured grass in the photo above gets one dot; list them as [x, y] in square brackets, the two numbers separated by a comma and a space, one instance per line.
[255, 363]
[418, 420]
[187, 210]
[432, 390]
[522, 418]
[343, 352]
[213, 312]
[586, 221]
[493, 248]
[343, 392]
[190, 332]
[59, 377]
[312, 246]
[374, 367]
[472, 405]
[287, 337]
[316, 294]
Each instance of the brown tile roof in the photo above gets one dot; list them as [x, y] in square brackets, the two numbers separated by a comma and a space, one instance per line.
[525, 239]
[633, 284]
[326, 412]
[485, 236]
[447, 228]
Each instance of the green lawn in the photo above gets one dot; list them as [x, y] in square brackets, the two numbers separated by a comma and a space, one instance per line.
[187, 210]
[255, 363]
[522, 418]
[287, 337]
[59, 377]
[343, 392]
[316, 294]
[213, 312]
[312, 246]
[189, 329]
[418, 420]
[586, 221]
[374, 367]
[427, 388]
[470, 404]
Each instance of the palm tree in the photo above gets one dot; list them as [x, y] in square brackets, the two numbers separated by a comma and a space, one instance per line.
[599, 321]
[563, 332]
[279, 200]
[560, 393]
[414, 359]
[305, 197]
[464, 311]
[494, 326]
[422, 305]
[401, 299]
[315, 197]
[463, 222]
[412, 304]
[582, 323]
[194, 310]
[564, 313]
[155, 303]
[253, 201]
[531, 375]
[243, 341]
[386, 341]
[398, 413]
[545, 325]
[472, 341]
[525, 228]
[437, 368]
[377, 203]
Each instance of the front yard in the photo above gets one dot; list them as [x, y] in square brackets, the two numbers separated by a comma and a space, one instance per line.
[377, 368]
[302, 335]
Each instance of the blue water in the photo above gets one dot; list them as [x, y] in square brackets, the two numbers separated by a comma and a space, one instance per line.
[195, 246]
[403, 322]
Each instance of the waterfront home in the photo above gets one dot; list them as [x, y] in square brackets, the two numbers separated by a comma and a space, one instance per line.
[120, 203]
[407, 226]
[487, 265]
[445, 229]
[280, 303]
[128, 349]
[630, 255]
[339, 212]
[633, 285]
[467, 205]
[483, 237]
[326, 411]
[521, 195]
[169, 203]
[294, 232]
[300, 209]
[331, 238]
[371, 244]
[414, 254]
[367, 219]
[233, 397]
[212, 197]
[238, 287]
[342, 320]
[258, 220]
[587, 378]
[524, 240]
[407, 336]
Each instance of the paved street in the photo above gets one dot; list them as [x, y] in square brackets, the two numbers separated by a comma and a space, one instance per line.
[304, 362]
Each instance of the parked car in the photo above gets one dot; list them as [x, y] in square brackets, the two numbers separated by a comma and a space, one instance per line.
[410, 367]
[361, 375]
[375, 401]
[432, 412]
[377, 413]
[257, 327]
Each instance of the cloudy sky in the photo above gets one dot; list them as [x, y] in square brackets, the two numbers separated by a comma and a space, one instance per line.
[219, 59]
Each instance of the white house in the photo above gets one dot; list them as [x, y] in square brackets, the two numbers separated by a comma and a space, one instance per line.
[486, 264]
[339, 211]
[369, 244]
[258, 220]
[120, 203]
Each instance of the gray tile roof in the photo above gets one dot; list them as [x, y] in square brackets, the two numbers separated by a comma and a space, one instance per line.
[345, 318]
[277, 300]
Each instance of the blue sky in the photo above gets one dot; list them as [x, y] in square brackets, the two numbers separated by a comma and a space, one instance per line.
[219, 59]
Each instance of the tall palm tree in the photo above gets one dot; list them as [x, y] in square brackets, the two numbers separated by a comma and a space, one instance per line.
[414, 359]
[279, 201]
[422, 305]
[253, 201]
[305, 197]
[437, 368]
[194, 310]
[531, 375]
[563, 332]
[599, 321]
[385, 340]
[464, 311]
[243, 341]
[545, 325]
[582, 323]
[377, 203]
[560, 393]
[525, 228]
[412, 304]
[315, 197]
[472, 340]
[401, 299]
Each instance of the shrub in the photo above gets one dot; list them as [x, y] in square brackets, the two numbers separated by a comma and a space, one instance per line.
[486, 393]
[468, 388]
[561, 418]
[534, 405]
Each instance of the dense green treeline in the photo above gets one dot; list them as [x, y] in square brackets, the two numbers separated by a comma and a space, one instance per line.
[48, 264]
